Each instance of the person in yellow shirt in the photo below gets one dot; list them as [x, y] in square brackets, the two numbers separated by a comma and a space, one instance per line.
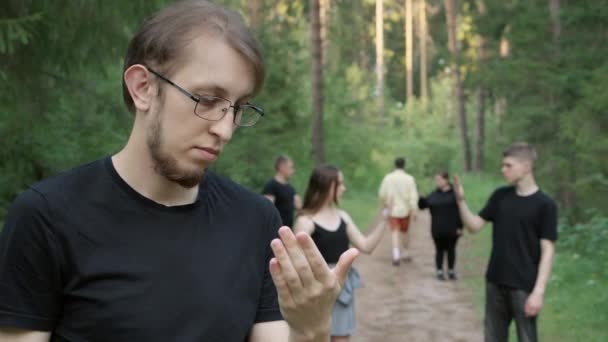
[399, 196]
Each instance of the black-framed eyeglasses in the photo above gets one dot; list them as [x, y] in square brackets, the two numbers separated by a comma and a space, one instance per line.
[214, 108]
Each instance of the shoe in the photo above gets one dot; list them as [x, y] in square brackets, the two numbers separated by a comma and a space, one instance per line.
[440, 275]
[395, 262]
[452, 275]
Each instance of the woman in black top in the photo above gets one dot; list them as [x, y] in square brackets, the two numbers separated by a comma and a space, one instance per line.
[333, 230]
[446, 226]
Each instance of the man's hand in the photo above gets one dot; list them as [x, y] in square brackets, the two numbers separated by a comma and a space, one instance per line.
[307, 288]
[533, 304]
[458, 189]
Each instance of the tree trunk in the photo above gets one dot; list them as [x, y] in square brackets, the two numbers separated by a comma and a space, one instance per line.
[324, 22]
[380, 55]
[556, 26]
[255, 14]
[423, 39]
[500, 105]
[478, 162]
[450, 13]
[409, 68]
[317, 83]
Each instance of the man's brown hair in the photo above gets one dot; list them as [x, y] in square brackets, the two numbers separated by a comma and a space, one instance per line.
[161, 39]
[521, 150]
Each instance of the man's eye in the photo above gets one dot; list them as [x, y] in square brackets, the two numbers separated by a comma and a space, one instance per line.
[208, 101]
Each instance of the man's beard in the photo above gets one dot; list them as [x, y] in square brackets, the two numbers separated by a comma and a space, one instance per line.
[164, 164]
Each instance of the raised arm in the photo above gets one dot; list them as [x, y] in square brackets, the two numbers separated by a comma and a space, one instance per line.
[297, 202]
[365, 244]
[473, 223]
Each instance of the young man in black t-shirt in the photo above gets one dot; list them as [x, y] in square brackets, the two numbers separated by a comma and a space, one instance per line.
[145, 245]
[281, 193]
[523, 245]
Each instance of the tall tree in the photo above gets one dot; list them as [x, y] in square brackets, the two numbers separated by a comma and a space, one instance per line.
[324, 22]
[317, 82]
[409, 53]
[255, 13]
[482, 90]
[451, 19]
[423, 38]
[380, 55]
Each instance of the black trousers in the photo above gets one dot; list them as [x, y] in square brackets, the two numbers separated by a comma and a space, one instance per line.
[443, 246]
[504, 304]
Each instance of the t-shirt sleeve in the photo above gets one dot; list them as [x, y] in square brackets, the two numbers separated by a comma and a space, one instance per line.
[488, 212]
[548, 229]
[269, 189]
[383, 191]
[413, 194]
[268, 305]
[30, 275]
[423, 203]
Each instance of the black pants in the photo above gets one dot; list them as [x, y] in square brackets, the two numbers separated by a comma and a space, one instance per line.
[504, 304]
[445, 245]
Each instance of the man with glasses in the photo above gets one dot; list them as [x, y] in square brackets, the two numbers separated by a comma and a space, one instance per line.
[146, 245]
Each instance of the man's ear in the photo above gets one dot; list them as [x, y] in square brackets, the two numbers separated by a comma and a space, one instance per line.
[139, 83]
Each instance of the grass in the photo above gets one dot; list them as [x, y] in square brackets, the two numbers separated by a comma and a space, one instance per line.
[576, 302]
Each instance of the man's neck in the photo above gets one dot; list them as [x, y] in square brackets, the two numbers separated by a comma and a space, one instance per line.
[136, 167]
[281, 179]
[526, 186]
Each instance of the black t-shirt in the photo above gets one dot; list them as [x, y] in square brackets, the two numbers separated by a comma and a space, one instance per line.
[331, 244]
[283, 199]
[445, 217]
[84, 255]
[519, 225]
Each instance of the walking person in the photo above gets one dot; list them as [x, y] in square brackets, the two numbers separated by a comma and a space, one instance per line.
[332, 229]
[446, 226]
[148, 244]
[399, 195]
[524, 232]
[280, 192]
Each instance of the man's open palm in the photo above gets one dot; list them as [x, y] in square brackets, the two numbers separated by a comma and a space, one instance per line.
[307, 288]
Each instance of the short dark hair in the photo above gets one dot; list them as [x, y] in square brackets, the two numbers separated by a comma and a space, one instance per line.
[161, 39]
[521, 150]
[444, 174]
[400, 163]
[280, 160]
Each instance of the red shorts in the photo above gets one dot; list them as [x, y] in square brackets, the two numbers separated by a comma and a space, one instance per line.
[399, 223]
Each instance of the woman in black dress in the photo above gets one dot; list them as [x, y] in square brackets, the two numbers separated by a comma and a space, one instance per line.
[446, 226]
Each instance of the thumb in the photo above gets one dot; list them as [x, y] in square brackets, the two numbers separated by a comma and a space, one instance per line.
[346, 260]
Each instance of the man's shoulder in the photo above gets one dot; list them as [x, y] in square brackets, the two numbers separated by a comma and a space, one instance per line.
[76, 179]
[235, 191]
[545, 199]
[504, 190]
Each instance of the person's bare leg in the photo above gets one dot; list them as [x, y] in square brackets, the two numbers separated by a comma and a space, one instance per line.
[405, 242]
[340, 338]
[397, 245]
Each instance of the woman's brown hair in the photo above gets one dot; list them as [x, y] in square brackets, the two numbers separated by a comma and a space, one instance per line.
[321, 181]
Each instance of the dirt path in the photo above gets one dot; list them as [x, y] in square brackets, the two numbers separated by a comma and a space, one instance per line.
[407, 303]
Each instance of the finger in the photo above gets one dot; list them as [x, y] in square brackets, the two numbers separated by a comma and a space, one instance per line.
[344, 263]
[316, 261]
[287, 269]
[280, 283]
[297, 256]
